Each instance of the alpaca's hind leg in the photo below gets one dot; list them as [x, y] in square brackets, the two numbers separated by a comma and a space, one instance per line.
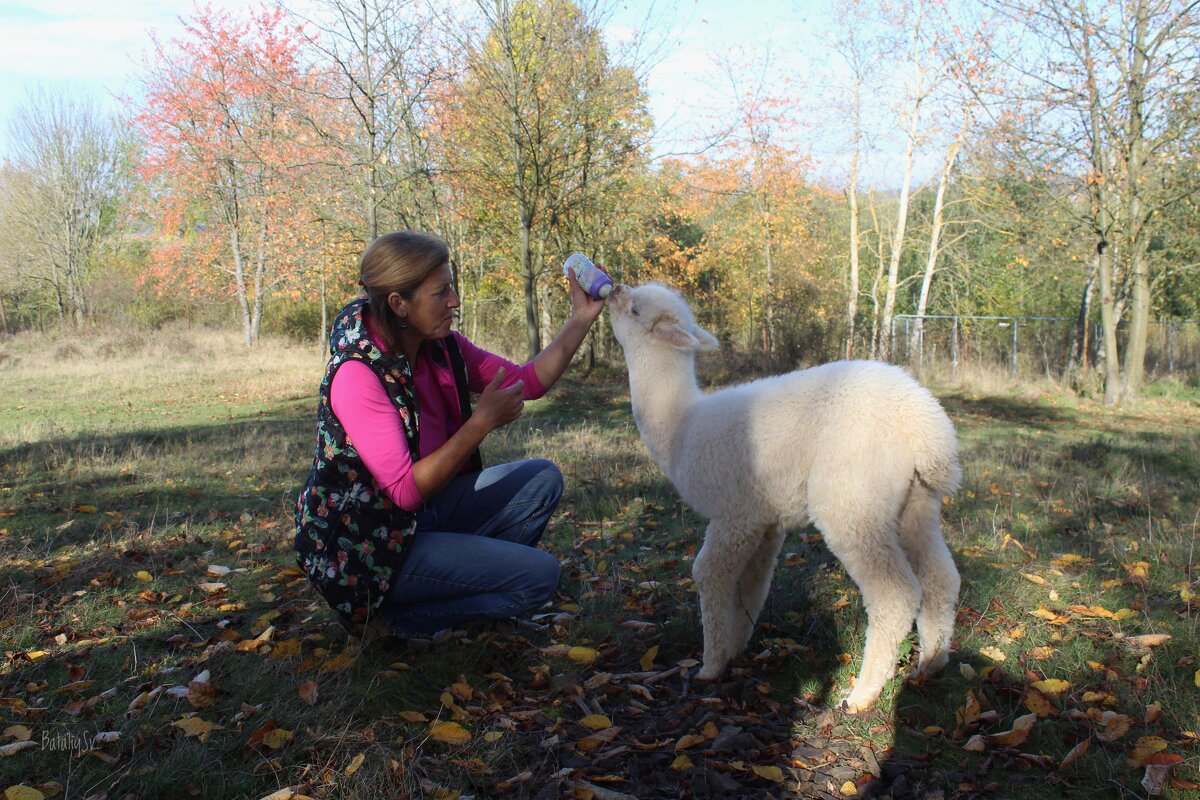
[892, 596]
[921, 538]
[716, 572]
[754, 585]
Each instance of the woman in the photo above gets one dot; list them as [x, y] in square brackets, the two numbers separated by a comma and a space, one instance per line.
[398, 520]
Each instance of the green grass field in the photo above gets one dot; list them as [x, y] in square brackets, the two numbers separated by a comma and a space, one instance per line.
[159, 642]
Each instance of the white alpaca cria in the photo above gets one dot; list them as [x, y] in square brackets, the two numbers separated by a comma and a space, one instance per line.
[857, 448]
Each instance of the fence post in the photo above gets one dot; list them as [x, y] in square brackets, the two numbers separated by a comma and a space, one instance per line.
[1014, 348]
[954, 347]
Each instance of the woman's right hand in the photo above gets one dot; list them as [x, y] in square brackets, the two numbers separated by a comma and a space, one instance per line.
[497, 407]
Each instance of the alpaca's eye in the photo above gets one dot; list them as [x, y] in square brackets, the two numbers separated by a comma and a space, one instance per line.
[633, 310]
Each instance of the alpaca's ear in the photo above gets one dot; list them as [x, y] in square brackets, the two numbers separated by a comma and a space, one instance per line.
[670, 331]
[705, 341]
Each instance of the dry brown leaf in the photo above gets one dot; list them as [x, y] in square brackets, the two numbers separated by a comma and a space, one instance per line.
[1038, 703]
[689, 740]
[1148, 639]
[771, 773]
[308, 692]
[1075, 753]
[1115, 726]
[1018, 734]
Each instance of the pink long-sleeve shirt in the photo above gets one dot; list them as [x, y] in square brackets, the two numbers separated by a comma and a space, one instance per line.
[373, 426]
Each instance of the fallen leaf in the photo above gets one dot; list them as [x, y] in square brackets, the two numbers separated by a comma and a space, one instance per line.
[195, 726]
[596, 722]
[646, 662]
[16, 747]
[994, 653]
[689, 740]
[1144, 749]
[22, 792]
[771, 773]
[583, 655]
[277, 738]
[1052, 687]
[1148, 640]
[355, 763]
[681, 763]
[308, 692]
[849, 789]
[412, 716]
[1075, 753]
[1036, 579]
[1038, 703]
[449, 733]
[144, 576]
[18, 732]
[1115, 726]
[1018, 734]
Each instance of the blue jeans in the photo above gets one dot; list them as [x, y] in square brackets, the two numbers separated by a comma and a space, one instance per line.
[474, 555]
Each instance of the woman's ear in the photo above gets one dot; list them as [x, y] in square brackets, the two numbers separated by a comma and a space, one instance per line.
[398, 305]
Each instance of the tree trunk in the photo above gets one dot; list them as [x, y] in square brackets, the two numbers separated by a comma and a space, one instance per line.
[1079, 340]
[1139, 312]
[533, 332]
[893, 275]
[935, 236]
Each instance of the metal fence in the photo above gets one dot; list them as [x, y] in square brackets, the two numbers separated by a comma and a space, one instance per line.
[1029, 346]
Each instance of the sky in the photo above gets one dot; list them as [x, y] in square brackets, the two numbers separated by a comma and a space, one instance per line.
[96, 48]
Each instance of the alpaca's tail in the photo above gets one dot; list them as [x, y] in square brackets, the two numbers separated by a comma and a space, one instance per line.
[937, 454]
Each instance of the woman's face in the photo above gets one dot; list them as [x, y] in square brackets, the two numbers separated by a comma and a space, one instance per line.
[429, 311]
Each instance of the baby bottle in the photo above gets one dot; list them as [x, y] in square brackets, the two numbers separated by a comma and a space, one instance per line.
[593, 279]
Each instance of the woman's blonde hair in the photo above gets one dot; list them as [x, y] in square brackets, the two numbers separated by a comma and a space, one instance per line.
[398, 262]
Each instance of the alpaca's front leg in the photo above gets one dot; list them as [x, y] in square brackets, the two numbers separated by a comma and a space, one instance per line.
[716, 571]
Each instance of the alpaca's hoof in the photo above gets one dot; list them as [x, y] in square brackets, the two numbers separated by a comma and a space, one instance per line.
[856, 702]
[708, 673]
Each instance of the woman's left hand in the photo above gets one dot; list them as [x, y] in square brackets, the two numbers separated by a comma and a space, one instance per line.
[583, 305]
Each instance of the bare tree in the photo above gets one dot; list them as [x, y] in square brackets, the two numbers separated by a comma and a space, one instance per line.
[69, 154]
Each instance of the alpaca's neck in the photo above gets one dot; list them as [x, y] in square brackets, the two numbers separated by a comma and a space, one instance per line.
[663, 392]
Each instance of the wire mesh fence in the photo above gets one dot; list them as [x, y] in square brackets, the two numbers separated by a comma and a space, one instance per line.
[1034, 346]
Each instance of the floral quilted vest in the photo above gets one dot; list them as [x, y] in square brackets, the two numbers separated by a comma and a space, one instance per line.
[351, 539]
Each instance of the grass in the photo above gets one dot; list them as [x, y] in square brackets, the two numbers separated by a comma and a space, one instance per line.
[134, 468]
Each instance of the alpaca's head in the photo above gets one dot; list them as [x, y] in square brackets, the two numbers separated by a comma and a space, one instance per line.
[655, 318]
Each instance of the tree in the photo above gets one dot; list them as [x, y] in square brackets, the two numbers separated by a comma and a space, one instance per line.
[66, 177]
[222, 125]
[540, 121]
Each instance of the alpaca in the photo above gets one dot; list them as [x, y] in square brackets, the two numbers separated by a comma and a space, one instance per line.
[857, 448]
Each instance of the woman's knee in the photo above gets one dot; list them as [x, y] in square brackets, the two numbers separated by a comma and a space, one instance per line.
[540, 577]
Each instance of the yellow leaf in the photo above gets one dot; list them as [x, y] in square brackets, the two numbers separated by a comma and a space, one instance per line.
[22, 792]
[647, 660]
[681, 763]
[1037, 579]
[596, 722]
[493, 736]
[583, 655]
[412, 716]
[195, 726]
[18, 732]
[849, 789]
[276, 738]
[449, 733]
[86, 508]
[994, 653]
[1196, 678]
[689, 740]
[355, 763]
[1038, 703]
[1052, 687]
[142, 575]
[1145, 747]
[774, 774]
